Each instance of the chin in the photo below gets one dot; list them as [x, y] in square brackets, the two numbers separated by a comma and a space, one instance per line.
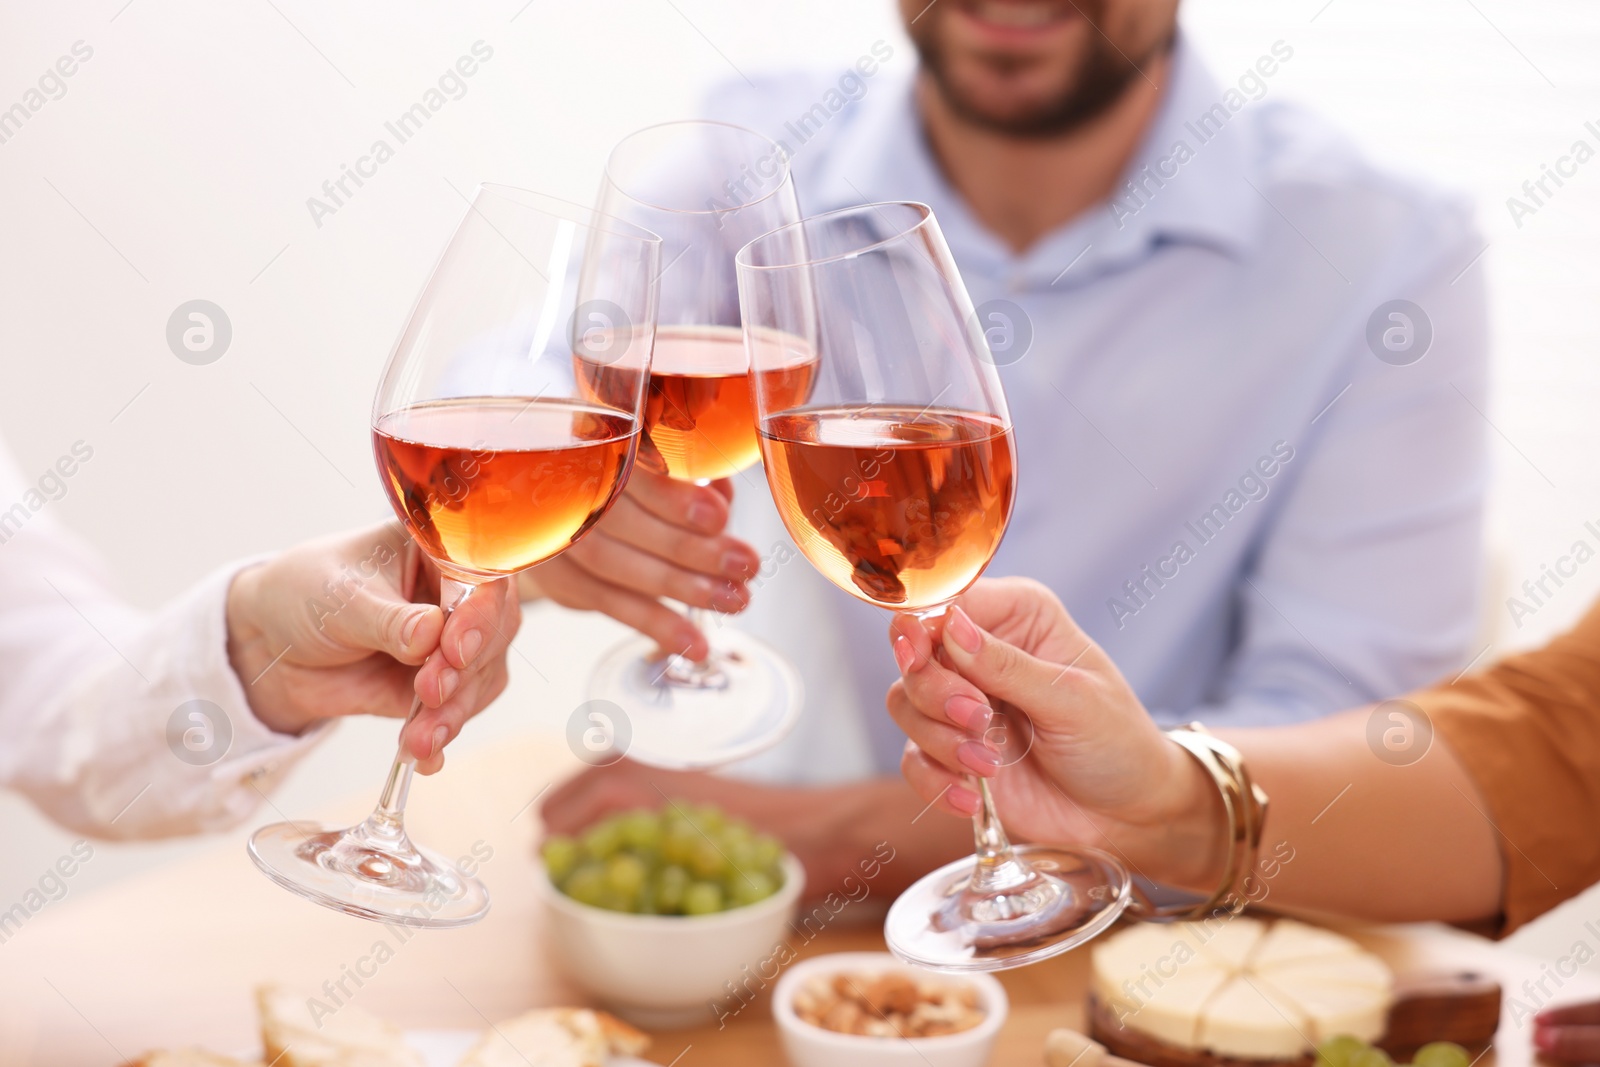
[1003, 100]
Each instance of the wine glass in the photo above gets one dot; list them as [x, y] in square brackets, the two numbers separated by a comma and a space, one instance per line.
[494, 459]
[895, 476]
[706, 188]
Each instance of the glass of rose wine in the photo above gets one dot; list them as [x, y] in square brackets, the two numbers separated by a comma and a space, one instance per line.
[895, 476]
[495, 459]
[706, 188]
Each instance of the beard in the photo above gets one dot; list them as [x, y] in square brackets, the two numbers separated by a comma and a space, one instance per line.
[1103, 74]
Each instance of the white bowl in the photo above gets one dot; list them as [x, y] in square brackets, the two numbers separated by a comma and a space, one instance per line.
[668, 971]
[812, 1046]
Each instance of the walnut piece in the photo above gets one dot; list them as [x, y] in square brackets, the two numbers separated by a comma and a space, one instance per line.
[888, 1004]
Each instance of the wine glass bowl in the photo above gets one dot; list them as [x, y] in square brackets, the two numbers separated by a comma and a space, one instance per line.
[495, 458]
[899, 506]
[489, 486]
[707, 188]
[895, 475]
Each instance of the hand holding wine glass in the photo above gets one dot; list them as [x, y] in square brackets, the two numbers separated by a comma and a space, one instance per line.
[374, 643]
[1094, 768]
[663, 539]
[895, 475]
[494, 458]
[706, 188]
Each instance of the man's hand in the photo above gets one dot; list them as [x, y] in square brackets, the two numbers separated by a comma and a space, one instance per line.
[339, 627]
[831, 830]
[662, 538]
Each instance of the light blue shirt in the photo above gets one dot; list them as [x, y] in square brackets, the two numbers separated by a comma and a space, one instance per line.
[1258, 518]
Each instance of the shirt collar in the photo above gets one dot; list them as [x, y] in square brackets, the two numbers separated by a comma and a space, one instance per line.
[884, 156]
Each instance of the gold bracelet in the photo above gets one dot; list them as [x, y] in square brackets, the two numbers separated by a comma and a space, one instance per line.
[1245, 804]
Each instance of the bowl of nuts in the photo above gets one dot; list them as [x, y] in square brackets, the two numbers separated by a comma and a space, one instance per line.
[855, 1009]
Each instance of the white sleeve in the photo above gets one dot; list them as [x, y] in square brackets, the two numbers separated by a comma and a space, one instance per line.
[96, 719]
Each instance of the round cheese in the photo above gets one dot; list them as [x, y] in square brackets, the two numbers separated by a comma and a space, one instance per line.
[1240, 987]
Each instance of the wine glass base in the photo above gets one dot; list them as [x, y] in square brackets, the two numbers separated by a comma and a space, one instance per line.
[380, 877]
[745, 700]
[1079, 894]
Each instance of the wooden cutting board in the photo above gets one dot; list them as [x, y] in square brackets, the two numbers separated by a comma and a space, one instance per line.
[1463, 1007]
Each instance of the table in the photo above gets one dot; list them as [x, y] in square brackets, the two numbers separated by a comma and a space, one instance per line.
[170, 958]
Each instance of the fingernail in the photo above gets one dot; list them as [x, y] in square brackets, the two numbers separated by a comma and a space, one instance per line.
[1545, 1039]
[971, 715]
[727, 597]
[704, 515]
[448, 680]
[963, 631]
[468, 646]
[963, 799]
[978, 758]
[439, 735]
[409, 630]
[905, 655]
[736, 565]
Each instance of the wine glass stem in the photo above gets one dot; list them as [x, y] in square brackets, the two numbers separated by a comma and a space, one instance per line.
[681, 667]
[389, 816]
[988, 836]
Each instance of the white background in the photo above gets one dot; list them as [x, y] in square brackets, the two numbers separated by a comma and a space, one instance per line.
[178, 164]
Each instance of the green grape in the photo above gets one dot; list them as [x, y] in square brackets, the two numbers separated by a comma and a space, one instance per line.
[602, 839]
[766, 851]
[626, 873]
[708, 818]
[612, 900]
[1441, 1054]
[702, 898]
[560, 856]
[687, 859]
[1340, 1051]
[1371, 1057]
[586, 885]
[677, 843]
[747, 889]
[670, 885]
[645, 902]
[641, 831]
[740, 854]
[706, 860]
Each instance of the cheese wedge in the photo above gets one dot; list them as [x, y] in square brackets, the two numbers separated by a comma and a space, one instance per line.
[1229, 941]
[1142, 948]
[1251, 1020]
[1330, 1007]
[1289, 940]
[1363, 971]
[1171, 1010]
[348, 1037]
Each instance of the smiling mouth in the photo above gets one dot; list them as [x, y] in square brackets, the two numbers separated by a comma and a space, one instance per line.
[1018, 15]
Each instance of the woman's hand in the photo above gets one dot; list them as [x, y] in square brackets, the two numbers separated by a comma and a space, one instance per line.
[350, 625]
[662, 538]
[1018, 694]
[1570, 1034]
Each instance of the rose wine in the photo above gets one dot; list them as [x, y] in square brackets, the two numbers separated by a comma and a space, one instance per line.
[488, 486]
[699, 420]
[900, 506]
